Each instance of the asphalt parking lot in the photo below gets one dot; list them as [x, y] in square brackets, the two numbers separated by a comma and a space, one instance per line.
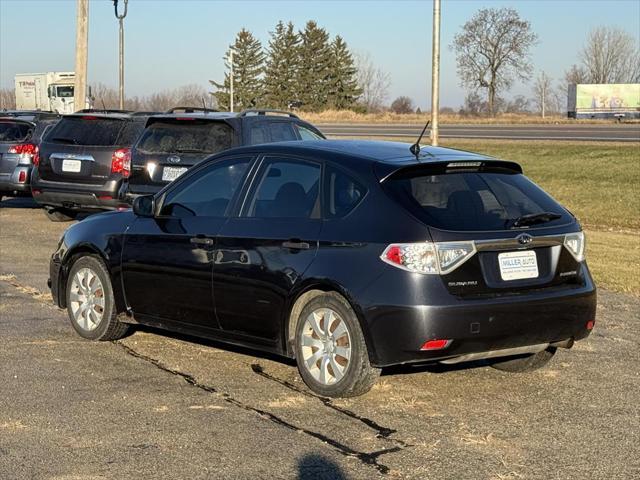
[159, 405]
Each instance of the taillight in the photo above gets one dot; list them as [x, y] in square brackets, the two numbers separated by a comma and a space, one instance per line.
[29, 153]
[575, 244]
[121, 162]
[427, 257]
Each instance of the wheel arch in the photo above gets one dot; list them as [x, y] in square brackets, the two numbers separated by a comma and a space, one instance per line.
[306, 293]
[71, 257]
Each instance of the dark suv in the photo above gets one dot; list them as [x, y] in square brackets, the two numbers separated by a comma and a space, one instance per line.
[347, 256]
[183, 137]
[20, 136]
[83, 162]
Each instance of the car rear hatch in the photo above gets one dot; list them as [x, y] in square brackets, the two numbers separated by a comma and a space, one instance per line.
[15, 146]
[170, 145]
[495, 232]
[80, 148]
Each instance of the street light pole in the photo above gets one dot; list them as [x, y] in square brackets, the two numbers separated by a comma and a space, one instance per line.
[435, 74]
[231, 81]
[120, 18]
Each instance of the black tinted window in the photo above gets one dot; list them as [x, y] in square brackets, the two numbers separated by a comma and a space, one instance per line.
[130, 133]
[258, 134]
[343, 193]
[282, 132]
[473, 201]
[87, 130]
[14, 131]
[209, 192]
[186, 136]
[287, 189]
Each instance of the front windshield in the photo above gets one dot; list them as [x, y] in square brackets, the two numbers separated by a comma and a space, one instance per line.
[65, 91]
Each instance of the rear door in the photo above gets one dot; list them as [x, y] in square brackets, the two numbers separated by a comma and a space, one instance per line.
[261, 254]
[167, 260]
[79, 149]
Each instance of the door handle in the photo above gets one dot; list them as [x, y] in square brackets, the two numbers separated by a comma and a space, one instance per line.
[201, 240]
[295, 245]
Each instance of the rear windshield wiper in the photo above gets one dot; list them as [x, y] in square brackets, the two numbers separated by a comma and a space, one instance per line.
[530, 219]
[64, 140]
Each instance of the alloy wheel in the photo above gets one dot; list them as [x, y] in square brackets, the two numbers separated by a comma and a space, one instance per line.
[86, 298]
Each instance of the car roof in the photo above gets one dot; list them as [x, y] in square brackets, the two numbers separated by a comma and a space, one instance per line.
[122, 115]
[394, 153]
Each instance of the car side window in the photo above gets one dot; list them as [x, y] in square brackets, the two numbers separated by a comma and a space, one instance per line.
[286, 189]
[258, 134]
[282, 132]
[306, 134]
[342, 193]
[209, 192]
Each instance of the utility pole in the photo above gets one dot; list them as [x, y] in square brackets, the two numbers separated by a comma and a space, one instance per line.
[544, 95]
[231, 80]
[435, 74]
[82, 40]
[120, 18]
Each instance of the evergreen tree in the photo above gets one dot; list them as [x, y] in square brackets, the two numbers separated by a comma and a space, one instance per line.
[344, 82]
[281, 72]
[248, 67]
[314, 74]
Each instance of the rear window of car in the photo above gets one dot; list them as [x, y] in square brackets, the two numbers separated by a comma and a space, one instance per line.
[186, 136]
[14, 131]
[94, 131]
[473, 201]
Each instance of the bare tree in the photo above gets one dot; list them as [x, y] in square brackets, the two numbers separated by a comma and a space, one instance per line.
[543, 93]
[492, 50]
[373, 81]
[610, 55]
[7, 99]
[402, 105]
[187, 95]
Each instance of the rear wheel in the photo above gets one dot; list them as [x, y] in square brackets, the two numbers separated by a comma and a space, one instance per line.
[90, 302]
[331, 351]
[60, 214]
[527, 363]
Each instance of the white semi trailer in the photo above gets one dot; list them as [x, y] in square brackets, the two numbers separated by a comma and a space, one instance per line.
[52, 91]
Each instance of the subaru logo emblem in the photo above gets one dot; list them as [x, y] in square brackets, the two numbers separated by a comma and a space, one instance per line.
[524, 239]
[173, 159]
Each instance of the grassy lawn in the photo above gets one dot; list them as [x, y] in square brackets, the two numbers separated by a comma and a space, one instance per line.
[599, 183]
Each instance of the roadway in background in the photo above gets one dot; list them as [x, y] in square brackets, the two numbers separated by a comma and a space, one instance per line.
[577, 132]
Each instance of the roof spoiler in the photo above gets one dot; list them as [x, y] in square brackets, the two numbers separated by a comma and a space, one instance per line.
[266, 111]
[190, 110]
[386, 171]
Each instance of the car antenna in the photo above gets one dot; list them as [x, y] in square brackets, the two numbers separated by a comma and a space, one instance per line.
[104, 108]
[204, 105]
[415, 148]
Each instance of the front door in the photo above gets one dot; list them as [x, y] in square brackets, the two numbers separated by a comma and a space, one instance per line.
[167, 260]
[261, 254]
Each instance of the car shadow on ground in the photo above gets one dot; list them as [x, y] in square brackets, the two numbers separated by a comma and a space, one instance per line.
[316, 466]
[18, 202]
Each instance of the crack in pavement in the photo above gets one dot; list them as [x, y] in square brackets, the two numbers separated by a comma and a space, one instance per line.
[382, 432]
[367, 458]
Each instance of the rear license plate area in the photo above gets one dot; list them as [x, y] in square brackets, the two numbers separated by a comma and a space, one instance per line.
[518, 265]
[169, 174]
[69, 165]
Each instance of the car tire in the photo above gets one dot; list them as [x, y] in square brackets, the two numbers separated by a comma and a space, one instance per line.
[90, 301]
[60, 215]
[332, 364]
[527, 363]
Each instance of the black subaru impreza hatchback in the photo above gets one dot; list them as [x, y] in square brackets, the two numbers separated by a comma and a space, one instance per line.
[347, 256]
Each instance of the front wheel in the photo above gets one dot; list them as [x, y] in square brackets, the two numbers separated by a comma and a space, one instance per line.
[527, 363]
[330, 349]
[90, 302]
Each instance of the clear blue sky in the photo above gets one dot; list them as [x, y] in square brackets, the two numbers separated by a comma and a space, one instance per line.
[172, 43]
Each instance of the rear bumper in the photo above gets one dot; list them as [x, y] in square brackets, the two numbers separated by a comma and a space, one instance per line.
[55, 267]
[12, 183]
[79, 197]
[397, 332]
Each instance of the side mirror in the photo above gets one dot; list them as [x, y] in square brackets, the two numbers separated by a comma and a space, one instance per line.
[144, 206]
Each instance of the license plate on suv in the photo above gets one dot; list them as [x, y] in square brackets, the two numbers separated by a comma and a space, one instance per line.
[169, 174]
[69, 165]
[518, 265]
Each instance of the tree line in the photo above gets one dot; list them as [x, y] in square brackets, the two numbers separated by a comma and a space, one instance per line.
[305, 68]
